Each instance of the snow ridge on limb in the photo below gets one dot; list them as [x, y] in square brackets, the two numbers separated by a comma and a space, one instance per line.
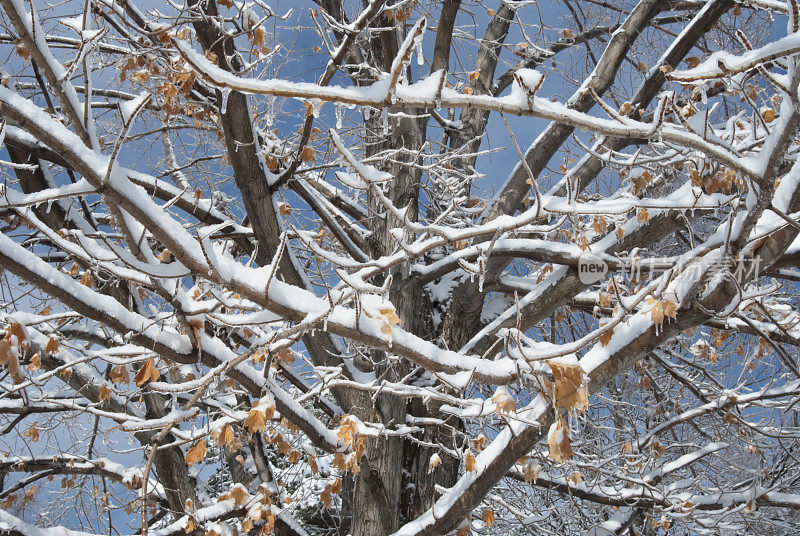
[425, 94]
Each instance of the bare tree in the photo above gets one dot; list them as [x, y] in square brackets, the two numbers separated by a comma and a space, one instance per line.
[261, 274]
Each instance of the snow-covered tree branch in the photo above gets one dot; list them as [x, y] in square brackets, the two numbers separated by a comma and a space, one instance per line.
[399, 268]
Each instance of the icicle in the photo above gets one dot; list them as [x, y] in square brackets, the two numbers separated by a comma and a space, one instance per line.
[225, 93]
[270, 110]
[316, 105]
[49, 205]
[385, 120]
[481, 271]
[420, 57]
[338, 111]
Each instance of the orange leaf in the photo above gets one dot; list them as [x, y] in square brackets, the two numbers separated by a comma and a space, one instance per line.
[119, 374]
[559, 448]
[255, 420]
[285, 355]
[16, 330]
[348, 431]
[239, 495]
[51, 347]
[196, 453]
[224, 435]
[22, 50]
[36, 362]
[670, 309]
[469, 461]
[605, 338]
[32, 432]
[147, 373]
[530, 471]
[259, 36]
[87, 279]
[505, 402]
[8, 357]
[434, 462]
[566, 387]
[657, 312]
[389, 315]
[307, 155]
[600, 225]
